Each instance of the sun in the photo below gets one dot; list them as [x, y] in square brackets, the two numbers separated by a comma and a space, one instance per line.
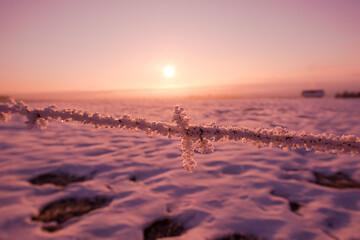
[169, 71]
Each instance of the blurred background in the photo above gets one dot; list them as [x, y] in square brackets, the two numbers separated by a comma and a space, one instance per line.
[217, 49]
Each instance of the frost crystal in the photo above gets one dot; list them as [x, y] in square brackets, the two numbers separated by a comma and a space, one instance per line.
[204, 146]
[181, 119]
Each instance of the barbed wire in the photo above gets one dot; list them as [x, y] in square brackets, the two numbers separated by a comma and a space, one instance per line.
[193, 137]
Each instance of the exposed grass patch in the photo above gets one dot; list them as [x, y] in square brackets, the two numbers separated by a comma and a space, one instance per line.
[294, 206]
[237, 236]
[163, 228]
[62, 210]
[338, 180]
[133, 178]
[58, 179]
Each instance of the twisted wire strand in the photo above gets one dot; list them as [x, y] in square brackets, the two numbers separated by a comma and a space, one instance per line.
[199, 137]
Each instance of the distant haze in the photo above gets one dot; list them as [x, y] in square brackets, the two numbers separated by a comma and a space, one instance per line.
[263, 90]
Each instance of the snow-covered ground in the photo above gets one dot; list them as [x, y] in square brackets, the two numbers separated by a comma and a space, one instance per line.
[267, 193]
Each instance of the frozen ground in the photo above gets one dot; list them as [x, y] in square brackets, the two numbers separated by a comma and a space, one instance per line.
[134, 180]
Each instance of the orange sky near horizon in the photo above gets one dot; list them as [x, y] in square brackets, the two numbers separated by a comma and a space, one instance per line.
[106, 45]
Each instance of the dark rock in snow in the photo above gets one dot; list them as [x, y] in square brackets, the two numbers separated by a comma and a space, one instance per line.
[59, 179]
[60, 211]
[163, 228]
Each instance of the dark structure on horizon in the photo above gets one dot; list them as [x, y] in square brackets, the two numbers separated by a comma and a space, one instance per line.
[313, 93]
[347, 94]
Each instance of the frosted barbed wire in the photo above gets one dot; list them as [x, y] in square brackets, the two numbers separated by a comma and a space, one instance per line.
[182, 121]
[193, 137]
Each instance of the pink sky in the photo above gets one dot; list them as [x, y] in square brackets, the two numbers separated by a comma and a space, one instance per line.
[108, 45]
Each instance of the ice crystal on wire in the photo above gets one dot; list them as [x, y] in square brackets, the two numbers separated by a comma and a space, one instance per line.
[181, 119]
[188, 154]
[3, 117]
[35, 120]
[204, 146]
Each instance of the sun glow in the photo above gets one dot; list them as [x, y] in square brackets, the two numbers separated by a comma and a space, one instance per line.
[169, 71]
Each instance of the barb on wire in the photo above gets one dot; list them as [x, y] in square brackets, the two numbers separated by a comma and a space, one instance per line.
[192, 137]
